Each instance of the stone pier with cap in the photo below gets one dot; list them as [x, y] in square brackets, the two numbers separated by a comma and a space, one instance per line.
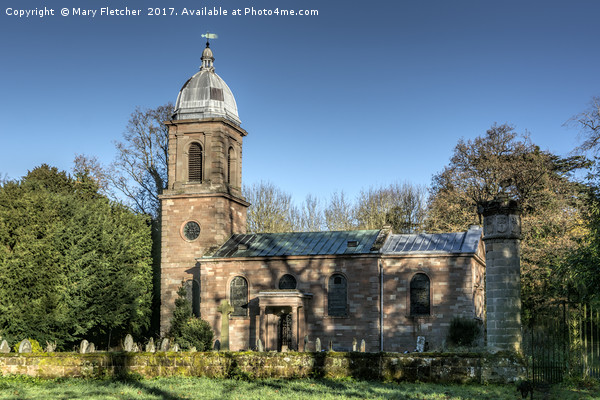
[502, 236]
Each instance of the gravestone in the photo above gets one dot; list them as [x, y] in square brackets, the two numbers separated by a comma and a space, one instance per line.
[318, 345]
[305, 342]
[363, 346]
[225, 309]
[50, 347]
[175, 347]
[25, 346]
[83, 346]
[217, 345]
[150, 348]
[4, 347]
[91, 348]
[330, 345]
[259, 345]
[164, 345]
[354, 344]
[420, 344]
[128, 343]
[136, 348]
[192, 349]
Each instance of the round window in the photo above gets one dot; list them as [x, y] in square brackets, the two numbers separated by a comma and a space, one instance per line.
[191, 230]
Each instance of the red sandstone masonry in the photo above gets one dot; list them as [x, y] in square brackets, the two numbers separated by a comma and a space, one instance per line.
[456, 290]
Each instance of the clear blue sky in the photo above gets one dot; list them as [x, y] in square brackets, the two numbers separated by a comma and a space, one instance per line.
[362, 94]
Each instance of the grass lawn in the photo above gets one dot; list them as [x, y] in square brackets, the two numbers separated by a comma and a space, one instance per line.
[20, 387]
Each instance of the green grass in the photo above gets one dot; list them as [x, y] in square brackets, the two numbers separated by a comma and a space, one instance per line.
[21, 387]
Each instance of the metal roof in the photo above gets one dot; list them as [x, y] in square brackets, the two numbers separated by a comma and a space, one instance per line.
[298, 244]
[459, 242]
[206, 95]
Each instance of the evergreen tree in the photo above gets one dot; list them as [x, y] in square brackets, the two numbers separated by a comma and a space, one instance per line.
[73, 265]
[186, 330]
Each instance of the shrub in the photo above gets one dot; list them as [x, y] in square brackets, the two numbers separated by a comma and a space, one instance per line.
[196, 333]
[35, 346]
[186, 330]
[463, 331]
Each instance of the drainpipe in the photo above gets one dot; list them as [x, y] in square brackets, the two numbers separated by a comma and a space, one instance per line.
[381, 305]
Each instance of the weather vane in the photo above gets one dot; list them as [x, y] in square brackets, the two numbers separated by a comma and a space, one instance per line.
[208, 35]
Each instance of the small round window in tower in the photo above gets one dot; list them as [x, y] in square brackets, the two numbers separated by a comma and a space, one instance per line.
[191, 230]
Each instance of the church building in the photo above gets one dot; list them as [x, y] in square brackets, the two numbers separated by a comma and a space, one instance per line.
[288, 289]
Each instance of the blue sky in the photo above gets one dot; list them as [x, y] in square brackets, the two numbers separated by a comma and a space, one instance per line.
[362, 94]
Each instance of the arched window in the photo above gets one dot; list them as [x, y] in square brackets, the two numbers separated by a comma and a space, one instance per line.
[195, 163]
[229, 165]
[192, 294]
[238, 296]
[337, 296]
[287, 282]
[420, 295]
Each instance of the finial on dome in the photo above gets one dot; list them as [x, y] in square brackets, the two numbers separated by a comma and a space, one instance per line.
[207, 54]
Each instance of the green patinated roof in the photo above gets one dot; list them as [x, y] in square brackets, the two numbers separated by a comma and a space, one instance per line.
[299, 244]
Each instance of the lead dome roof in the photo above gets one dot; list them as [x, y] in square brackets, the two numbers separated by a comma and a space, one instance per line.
[206, 95]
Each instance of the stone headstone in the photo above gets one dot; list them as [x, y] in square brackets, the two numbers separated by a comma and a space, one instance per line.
[25, 346]
[217, 345]
[4, 347]
[363, 346]
[91, 348]
[354, 344]
[83, 346]
[192, 349]
[420, 344]
[175, 347]
[128, 343]
[150, 348]
[330, 345]
[225, 309]
[50, 347]
[164, 345]
[306, 342]
[259, 345]
[136, 348]
[318, 345]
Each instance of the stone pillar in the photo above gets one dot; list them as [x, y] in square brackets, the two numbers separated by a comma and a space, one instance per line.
[263, 327]
[502, 235]
[295, 333]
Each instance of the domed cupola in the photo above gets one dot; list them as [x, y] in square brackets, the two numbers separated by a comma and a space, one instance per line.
[206, 95]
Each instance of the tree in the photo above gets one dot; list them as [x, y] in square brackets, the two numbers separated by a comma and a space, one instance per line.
[73, 265]
[310, 217]
[271, 209]
[90, 166]
[339, 213]
[141, 167]
[186, 330]
[581, 268]
[501, 162]
[588, 122]
[402, 206]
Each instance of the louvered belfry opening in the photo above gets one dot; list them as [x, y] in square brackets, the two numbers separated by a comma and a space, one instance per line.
[195, 163]
[229, 155]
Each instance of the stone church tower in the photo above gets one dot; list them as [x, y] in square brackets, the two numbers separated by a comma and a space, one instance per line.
[203, 205]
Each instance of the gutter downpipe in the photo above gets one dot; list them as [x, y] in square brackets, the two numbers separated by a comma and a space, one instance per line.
[381, 305]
